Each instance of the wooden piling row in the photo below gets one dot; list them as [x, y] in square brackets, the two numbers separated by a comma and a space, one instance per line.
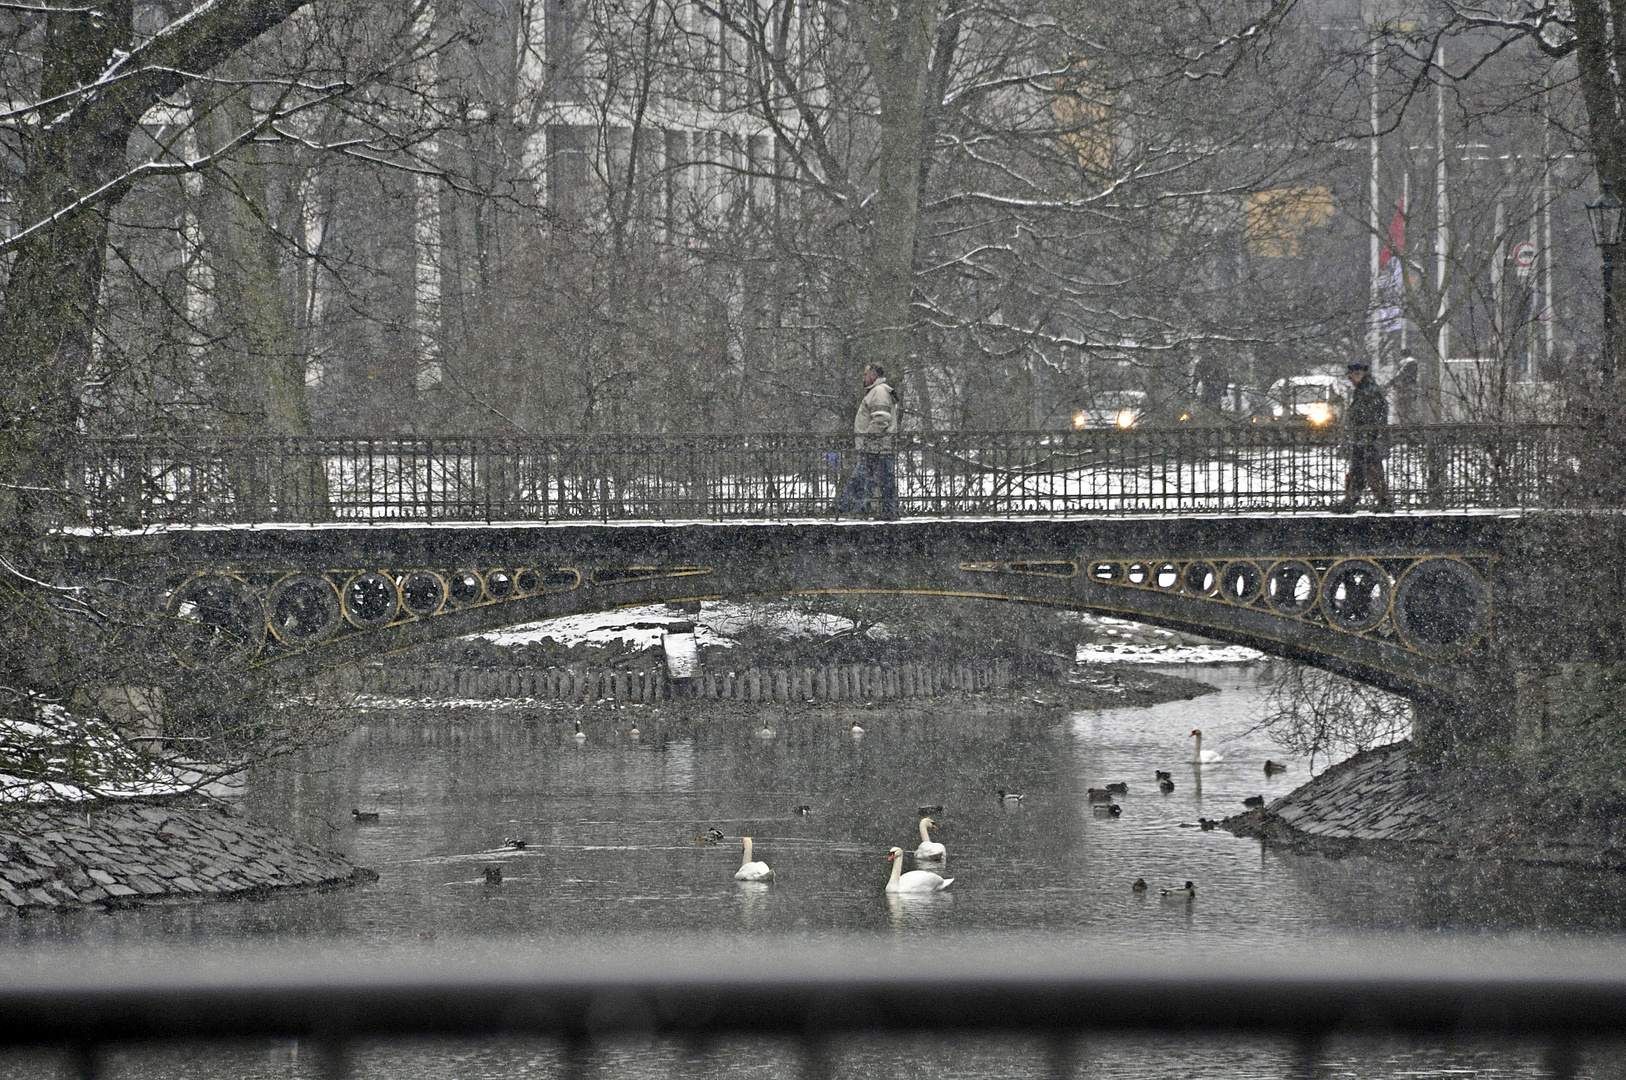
[630, 685]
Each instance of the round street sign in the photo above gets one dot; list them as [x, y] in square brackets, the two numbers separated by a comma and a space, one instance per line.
[1524, 255]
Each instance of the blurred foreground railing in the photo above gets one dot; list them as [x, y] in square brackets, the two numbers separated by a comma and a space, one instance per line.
[713, 994]
[1264, 468]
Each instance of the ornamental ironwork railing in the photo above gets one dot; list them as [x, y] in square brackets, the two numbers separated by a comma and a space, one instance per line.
[207, 480]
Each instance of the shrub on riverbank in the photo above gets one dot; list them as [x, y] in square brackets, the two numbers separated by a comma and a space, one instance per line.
[1315, 714]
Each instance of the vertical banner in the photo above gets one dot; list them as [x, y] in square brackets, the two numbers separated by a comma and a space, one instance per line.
[1389, 288]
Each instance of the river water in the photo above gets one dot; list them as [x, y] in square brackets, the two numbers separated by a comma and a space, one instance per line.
[610, 826]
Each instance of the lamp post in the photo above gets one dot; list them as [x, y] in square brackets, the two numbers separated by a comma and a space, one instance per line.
[1608, 218]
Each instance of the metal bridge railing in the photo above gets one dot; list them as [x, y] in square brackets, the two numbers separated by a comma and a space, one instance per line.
[1263, 468]
[815, 999]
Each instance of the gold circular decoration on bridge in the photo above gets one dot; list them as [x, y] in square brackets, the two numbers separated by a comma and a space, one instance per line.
[533, 582]
[499, 584]
[1105, 572]
[423, 593]
[303, 609]
[464, 588]
[1200, 578]
[1166, 576]
[1290, 587]
[1137, 573]
[1355, 595]
[214, 619]
[370, 600]
[1241, 581]
[1441, 607]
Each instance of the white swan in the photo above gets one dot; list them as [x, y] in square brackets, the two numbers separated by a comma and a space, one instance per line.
[580, 736]
[856, 731]
[929, 848]
[1200, 756]
[766, 732]
[633, 733]
[914, 880]
[751, 871]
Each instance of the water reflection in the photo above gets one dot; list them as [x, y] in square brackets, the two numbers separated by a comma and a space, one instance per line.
[610, 827]
[754, 908]
[921, 912]
[860, 1057]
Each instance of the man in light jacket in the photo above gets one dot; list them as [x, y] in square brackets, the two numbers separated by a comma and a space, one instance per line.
[874, 424]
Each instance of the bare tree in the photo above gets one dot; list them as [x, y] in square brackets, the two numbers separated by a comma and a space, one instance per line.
[1492, 115]
[174, 147]
[90, 76]
[1314, 713]
[1010, 206]
[1027, 194]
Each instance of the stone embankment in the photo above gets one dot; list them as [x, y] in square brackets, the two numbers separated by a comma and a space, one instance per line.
[1386, 802]
[116, 855]
[789, 683]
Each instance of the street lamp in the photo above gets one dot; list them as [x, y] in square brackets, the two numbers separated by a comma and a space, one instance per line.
[1608, 217]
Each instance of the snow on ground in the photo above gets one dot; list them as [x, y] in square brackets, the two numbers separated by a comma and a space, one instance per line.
[182, 781]
[1128, 653]
[718, 625]
[1119, 641]
[390, 702]
[60, 756]
[1102, 639]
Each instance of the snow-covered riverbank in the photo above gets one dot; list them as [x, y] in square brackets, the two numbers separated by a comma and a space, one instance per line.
[1106, 640]
[1101, 639]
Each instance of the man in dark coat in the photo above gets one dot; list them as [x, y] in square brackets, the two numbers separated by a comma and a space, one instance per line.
[1367, 415]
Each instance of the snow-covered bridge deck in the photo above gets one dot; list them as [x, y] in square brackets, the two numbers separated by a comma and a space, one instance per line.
[960, 475]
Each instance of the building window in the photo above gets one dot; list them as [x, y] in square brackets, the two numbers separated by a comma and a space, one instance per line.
[568, 168]
[1279, 218]
[564, 58]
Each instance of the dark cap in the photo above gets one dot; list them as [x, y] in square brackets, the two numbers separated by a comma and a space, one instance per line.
[1357, 365]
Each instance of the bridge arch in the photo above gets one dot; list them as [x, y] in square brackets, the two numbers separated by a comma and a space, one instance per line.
[1405, 604]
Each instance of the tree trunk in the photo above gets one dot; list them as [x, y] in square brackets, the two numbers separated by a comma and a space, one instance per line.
[1600, 52]
[942, 65]
[896, 44]
[259, 373]
[257, 369]
[49, 315]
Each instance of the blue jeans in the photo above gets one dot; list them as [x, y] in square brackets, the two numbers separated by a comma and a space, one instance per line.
[875, 475]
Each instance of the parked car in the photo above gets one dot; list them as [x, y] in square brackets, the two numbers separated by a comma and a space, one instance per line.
[1112, 408]
[1312, 399]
